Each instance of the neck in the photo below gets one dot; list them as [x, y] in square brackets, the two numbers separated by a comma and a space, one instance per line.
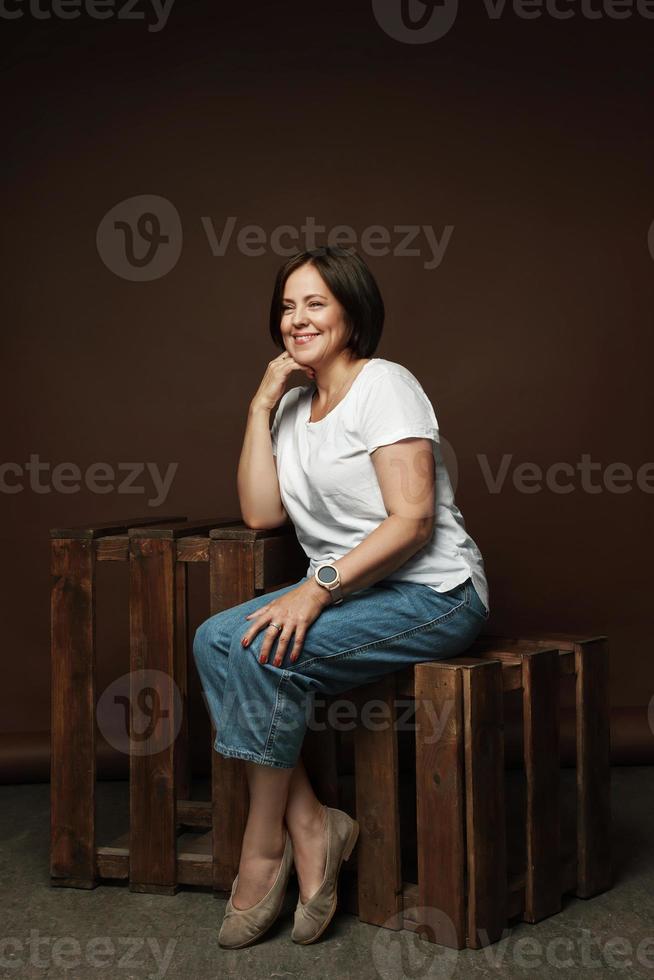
[332, 378]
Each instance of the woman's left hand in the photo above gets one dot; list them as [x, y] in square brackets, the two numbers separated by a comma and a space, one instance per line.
[294, 611]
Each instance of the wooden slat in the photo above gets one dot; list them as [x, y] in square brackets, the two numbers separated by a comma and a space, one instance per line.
[320, 756]
[86, 531]
[278, 556]
[379, 866]
[231, 581]
[440, 802]
[114, 547]
[194, 813]
[593, 767]
[174, 531]
[485, 808]
[182, 757]
[153, 651]
[193, 548]
[507, 650]
[72, 764]
[541, 723]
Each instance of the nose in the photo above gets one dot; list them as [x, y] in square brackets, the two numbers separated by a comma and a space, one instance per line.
[298, 319]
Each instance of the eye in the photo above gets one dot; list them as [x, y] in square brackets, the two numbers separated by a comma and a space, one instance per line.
[315, 303]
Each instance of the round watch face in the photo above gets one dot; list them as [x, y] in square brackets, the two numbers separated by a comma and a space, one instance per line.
[327, 575]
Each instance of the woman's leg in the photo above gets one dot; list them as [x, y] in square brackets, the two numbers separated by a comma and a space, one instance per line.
[279, 796]
[263, 840]
[306, 819]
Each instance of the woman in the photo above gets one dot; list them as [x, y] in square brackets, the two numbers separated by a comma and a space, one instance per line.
[353, 460]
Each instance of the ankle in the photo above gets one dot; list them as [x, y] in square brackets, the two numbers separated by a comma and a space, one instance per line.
[257, 850]
[307, 823]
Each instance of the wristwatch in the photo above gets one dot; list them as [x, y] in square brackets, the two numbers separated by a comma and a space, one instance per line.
[328, 576]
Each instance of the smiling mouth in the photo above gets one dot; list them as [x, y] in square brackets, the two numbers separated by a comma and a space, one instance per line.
[307, 338]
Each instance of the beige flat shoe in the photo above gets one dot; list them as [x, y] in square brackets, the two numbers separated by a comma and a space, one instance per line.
[241, 927]
[312, 919]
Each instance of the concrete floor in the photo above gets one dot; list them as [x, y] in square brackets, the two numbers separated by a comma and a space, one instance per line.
[111, 932]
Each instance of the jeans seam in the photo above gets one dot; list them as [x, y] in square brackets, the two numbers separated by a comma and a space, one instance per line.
[279, 700]
[241, 753]
[394, 637]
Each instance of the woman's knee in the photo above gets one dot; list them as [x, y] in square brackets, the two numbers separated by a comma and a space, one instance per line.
[212, 637]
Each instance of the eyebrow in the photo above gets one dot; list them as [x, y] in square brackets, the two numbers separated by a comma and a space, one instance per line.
[287, 300]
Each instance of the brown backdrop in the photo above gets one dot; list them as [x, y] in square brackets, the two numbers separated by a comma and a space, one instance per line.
[530, 138]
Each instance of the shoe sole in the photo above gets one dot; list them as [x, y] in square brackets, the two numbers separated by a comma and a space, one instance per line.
[345, 856]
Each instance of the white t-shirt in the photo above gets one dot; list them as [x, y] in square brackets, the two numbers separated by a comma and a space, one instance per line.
[329, 486]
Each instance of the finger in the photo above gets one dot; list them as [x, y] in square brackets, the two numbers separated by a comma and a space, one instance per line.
[282, 644]
[251, 633]
[297, 646]
[268, 641]
[256, 612]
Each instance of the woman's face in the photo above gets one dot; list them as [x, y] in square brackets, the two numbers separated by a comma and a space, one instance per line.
[308, 307]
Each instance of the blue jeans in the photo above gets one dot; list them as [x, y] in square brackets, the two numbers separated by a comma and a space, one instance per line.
[261, 712]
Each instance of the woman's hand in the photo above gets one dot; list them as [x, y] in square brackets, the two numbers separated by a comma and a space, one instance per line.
[294, 611]
[273, 383]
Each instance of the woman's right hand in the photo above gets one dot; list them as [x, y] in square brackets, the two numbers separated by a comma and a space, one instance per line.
[273, 383]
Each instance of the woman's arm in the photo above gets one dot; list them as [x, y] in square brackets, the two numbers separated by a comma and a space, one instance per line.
[256, 479]
[406, 475]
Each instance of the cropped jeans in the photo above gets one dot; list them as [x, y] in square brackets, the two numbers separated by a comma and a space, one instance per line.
[261, 712]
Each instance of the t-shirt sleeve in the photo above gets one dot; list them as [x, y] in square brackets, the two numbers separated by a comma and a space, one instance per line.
[396, 407]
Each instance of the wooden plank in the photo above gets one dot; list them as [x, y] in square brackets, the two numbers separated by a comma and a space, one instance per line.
[194, 813]
[593, 767]
[113, 547]
[440, 802]
[379, 865]
[99, 530]
[153, 646]
[508, 650]
[193, 548]
[320, 756]
[72, 760]
[174, 531]
[485, 807]
[231, 581]
[182, 754]
[541, 726]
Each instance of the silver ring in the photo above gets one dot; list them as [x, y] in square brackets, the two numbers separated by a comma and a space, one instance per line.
[276, 626]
